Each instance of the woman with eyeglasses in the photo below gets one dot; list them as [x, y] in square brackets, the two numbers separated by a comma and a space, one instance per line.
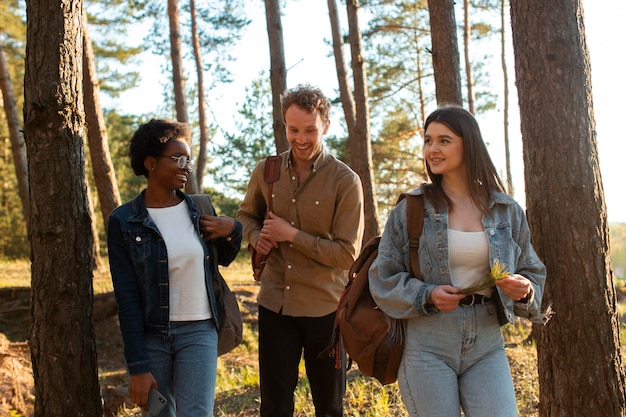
[161, 266]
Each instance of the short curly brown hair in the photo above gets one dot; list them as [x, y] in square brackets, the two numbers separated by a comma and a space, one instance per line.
[307, 97]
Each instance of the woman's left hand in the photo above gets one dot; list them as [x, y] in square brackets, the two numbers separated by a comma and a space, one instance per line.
[515, 286]
[214, 227]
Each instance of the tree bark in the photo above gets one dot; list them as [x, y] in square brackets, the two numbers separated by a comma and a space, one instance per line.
[204, 132]
[18, 147]
[445, 52]
[360, 143]
[345, 92]
[102, 166]
[178, 76]
[469, 78]
[178, 79]
[505, 99]
[580, 365]
[62, 339]
[96, 260]
[278, 70]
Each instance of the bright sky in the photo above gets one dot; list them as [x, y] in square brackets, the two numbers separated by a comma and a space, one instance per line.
[306, 27]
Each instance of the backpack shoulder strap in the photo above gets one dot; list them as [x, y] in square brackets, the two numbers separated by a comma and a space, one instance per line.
[204, 204]
[414, 223]
[271, 170]
[271, 174]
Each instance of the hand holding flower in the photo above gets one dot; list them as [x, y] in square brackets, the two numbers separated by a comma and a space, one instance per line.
[498, 272]
[515, 286]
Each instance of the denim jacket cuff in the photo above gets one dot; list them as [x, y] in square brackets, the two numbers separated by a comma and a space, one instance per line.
[421, 300]
[138, 368]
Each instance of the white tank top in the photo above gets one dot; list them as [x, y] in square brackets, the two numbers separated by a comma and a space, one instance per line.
[468, 255]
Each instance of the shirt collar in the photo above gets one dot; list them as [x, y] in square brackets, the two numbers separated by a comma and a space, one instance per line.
[319, 161]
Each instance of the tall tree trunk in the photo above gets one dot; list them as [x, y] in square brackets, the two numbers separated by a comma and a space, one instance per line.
[102, 166]
[469, 79]
[580, 365]
[420, 91]
[505, 112]
[96, 261]
[445, 51]
[178, 76]
[18, 148]
[62, 339]
[204, 132]
[360, 143]
[178, 79]
[505, 98]
[278, 70]
[345, 92]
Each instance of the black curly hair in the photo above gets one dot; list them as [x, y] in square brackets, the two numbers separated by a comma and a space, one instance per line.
[151, 138]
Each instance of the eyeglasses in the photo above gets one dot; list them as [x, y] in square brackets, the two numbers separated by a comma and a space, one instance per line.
[182, 161]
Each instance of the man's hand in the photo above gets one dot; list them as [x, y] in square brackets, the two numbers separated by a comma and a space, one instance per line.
[276, 229]
[264, 246]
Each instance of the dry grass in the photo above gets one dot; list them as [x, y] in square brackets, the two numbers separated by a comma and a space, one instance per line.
[237, 393]
[16, 273]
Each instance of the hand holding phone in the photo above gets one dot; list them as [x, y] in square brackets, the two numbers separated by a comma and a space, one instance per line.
[156, 402]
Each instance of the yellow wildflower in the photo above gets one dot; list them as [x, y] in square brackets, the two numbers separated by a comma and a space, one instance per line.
[498, 272]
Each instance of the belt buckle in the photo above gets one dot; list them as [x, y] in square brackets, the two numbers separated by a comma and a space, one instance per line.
[473, 299]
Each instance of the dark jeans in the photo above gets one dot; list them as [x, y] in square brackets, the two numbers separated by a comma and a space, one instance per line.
[281, 342]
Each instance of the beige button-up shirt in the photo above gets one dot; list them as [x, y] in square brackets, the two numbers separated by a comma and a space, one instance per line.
[306, 278]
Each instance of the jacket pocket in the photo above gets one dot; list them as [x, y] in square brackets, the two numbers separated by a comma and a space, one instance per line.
[141, 246]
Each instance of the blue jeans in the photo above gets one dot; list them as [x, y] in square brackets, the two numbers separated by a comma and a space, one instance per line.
[185, 367]
[457, 360]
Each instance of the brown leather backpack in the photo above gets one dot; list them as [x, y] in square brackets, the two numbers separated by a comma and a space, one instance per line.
[371, 338]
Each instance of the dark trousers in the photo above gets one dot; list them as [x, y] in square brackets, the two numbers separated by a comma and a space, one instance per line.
[282, 340]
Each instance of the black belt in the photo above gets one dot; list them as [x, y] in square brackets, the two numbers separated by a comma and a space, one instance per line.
[472, 299]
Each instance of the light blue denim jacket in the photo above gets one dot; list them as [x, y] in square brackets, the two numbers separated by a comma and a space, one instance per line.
[139, 269]
[403, 297]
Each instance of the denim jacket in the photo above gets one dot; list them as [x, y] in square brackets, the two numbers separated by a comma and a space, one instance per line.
[139, 269]
[403, 297]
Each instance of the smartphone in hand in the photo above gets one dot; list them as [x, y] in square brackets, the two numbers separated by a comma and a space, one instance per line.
[156, 402]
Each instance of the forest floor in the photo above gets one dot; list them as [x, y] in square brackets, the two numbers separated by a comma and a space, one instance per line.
[241, 400]
[16, 377]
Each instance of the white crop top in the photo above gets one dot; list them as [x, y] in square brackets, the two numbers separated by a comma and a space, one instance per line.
[468, 254]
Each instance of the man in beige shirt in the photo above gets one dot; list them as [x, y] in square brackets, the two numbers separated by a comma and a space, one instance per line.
[312, 237]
